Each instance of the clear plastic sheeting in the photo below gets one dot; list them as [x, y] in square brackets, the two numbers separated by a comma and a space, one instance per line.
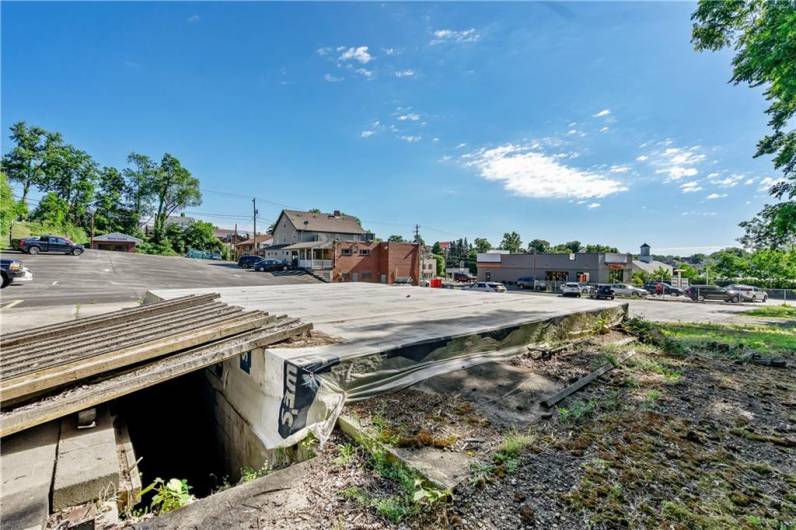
[382, 338]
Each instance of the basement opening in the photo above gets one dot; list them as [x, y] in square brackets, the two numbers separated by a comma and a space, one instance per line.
[171, 427]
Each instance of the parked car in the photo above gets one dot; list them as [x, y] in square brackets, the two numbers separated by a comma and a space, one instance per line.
[572, 289]
[463, 277]
[623, 289]
[750, 293]
[402, 280]
[604, 292]
[247, 262]
[270, 265]
[700, 293]
[34, 245]
[526, 282]
[13, 271]
[488, 287]
[652, 288]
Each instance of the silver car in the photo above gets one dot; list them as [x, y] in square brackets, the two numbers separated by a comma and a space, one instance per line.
[488, 287]
[749, 293]
[623, 289]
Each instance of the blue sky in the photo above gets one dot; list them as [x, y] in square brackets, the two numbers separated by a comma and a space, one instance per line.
[588, 121]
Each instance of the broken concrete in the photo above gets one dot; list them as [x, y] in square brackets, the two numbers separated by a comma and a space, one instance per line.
[88, 463]
[26, 469]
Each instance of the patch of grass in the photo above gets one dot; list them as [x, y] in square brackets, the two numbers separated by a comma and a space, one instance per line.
[778, 311]
[651, 397]
[481, 473]
[731, 340]
[345, 454]
[649, 364]
[509, 451]
[247, 473]
[576, 411]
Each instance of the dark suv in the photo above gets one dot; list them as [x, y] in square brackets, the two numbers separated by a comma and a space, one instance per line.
[699, 293]
[652, 288]
[34, 245]
[247, 262]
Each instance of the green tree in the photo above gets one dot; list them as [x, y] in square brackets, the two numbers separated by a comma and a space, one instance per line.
[440, 264]
[27, 163]
[396, 239]
[139, 179]
[71, 174]
[7, 206]
[52, 211]
[539, 245]
[314, 210]
[762, 34]
[600, 248]
[511, 242]
[773, 266]
[639, 278]
[573, 246]
[174, 188]
[200, 235]
[730, 263]
[661, 274]
[482, 245]
[687, 270]
[110, 215]
[436, 248]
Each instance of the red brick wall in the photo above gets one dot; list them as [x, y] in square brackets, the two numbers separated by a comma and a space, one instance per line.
[389, 259]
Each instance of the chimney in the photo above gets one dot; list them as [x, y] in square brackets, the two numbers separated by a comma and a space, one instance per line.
[645, 253]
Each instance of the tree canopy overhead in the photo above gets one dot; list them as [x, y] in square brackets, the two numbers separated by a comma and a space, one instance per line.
[763, 35]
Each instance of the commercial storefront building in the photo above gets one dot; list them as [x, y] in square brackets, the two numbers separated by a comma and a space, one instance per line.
[584, 267]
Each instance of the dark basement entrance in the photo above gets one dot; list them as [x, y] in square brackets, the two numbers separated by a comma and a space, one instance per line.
[171, 428]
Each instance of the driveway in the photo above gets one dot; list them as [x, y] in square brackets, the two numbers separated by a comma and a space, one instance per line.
[100, 277]
[681, 309]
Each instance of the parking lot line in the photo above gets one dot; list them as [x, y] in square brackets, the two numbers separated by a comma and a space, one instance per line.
[12, 304]
[55, 282]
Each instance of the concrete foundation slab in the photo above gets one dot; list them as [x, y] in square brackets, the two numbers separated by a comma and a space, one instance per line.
[27, 460]
[384, 338]
[88, 463]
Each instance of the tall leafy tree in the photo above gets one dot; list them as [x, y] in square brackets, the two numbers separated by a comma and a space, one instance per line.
[110, 212]
[482, 244]
[511, 242]
[7, 205]
[51, 211]
[27, 163]
[139, 179]
[599, 248]
[174, 188]
[763, 36]
[395, 238]
[71, 174]
[539, 245]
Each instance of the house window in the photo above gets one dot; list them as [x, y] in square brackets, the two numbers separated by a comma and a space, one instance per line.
[364, 252]
[246, 362]
[345, 252]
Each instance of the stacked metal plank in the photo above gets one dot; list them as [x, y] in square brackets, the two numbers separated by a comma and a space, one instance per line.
[118, 353]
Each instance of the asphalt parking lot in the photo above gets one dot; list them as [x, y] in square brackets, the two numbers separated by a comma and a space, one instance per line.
[101, 277]
[680, 309]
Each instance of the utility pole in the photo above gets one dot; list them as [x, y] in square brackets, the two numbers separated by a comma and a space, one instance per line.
[235, 243]
[93, 213]
[254, 212]
[417, 233]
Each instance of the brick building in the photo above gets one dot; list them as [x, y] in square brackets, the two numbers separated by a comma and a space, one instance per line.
[377, 262]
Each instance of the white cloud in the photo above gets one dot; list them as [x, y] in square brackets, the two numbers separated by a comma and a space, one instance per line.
[390, 51]
[445, 158]
[332, 79]
[193, 19]
[405, 73]
[367, 134]
[604, 129]
[690, 187]
[714, 196]
[411, 139]
[450, 35]
[699, 214]
[594, 205]
[359, 54]
[619, 169]
[675, 163]
[602, 113]
[749, 181]
[461, 146]
[727, 182]
[411, 116]
[364, 72]
[326, 50]
[530, 173]
[435, 140]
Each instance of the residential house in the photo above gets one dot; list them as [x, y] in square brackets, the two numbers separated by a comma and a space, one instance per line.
[645, 263]
[428, 267]
[247, 246]
[115, 241]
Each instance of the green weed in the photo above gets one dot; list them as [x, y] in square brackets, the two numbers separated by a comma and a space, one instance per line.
[576, 411]
[345, 454]
[247, 473]
[169, 496]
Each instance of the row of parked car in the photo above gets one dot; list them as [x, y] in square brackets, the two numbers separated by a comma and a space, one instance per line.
[698, 293]
[12, 271]
[263, 264]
